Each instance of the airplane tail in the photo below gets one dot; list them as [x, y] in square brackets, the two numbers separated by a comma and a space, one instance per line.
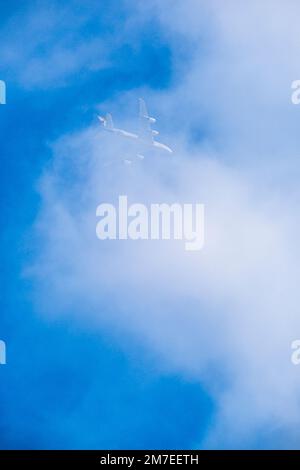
[143, 108]
[107, 121]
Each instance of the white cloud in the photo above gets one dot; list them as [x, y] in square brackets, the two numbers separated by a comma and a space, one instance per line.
[228, 314]
[47, 44]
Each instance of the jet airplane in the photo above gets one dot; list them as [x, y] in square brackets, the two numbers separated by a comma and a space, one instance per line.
[146, 135]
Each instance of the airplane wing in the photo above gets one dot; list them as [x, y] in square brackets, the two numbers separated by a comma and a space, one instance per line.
[145, 132]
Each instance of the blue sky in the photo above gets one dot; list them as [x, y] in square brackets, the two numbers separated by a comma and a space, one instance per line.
[66, 386]
[140, 346]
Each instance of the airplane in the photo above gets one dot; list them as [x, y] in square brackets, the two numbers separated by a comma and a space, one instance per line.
[145, 137]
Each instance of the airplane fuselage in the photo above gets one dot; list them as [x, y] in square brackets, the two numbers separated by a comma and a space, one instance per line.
[145, 138]
[130, 135]
[161, 146]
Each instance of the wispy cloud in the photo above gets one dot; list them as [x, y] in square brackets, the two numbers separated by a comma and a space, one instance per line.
[226, 315]
[45, 44]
